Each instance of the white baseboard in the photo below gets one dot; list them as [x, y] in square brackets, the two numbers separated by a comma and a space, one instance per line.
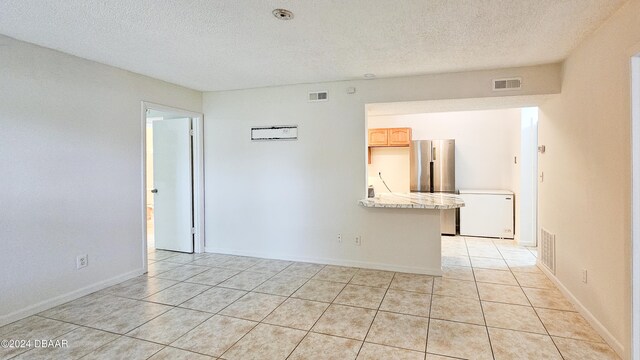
[61, 299]
[597, 325]
[330, 261]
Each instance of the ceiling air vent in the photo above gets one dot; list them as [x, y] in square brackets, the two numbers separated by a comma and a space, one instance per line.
[318, 96]
[507, 84]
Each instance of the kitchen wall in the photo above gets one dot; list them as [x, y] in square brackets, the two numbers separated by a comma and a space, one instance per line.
[393, 163]
[290, 199]
[585, 198]
[486, 143]
[71, 159]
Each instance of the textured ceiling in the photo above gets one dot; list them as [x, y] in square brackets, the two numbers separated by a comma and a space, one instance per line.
[231, 44]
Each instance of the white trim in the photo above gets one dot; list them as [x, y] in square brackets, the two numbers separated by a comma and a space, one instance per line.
[597, 325]
[61, 299]
[143, 183]
[198, 174]
[635, 207]
[528, 177]
[198, 183]
[330, 261]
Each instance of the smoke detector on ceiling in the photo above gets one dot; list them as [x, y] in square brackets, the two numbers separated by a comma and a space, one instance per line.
[282, 14]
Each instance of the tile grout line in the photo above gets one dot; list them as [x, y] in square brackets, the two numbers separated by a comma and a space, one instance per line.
[177, 306]
[318, 319]
[289, 297]
[509, 269]
[57, 337]
[261, 321]
[233, 302]
[534, 309]
[375, 315]
[173, 307]
[353, 306]
[486, 328]
[185, 281]
[433, 284]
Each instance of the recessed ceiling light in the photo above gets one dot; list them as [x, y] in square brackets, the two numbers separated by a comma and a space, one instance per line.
[282, 14]
[369, 76]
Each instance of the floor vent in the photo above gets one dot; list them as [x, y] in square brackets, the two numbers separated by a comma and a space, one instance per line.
[547, 249]
[318, 96]
[507, 84]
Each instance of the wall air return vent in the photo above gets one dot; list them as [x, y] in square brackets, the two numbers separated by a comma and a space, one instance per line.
[547, 250]
[507, 84]
[319, 96]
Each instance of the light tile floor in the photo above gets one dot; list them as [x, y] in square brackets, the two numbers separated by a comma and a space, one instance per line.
[492, 303]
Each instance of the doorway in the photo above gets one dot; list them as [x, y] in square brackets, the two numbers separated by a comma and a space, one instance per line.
[173, 199]
[495, 149]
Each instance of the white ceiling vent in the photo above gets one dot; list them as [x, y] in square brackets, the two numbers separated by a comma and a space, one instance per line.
[507, 84]
[319, 96]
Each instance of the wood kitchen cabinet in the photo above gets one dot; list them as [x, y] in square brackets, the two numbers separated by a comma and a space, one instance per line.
[387, 137]
[390, 137]
[378, 137]
[399, 136]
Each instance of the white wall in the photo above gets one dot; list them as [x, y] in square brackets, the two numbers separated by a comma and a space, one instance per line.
[71, 184]
[585, 198]
[486, 142]
[290, 199]
[393, 163]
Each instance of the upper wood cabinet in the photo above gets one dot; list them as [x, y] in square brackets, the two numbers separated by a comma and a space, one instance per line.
[399, 136]
[378, 137]
[390, 137]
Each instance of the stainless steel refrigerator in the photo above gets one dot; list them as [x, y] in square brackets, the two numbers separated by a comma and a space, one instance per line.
[433, 169]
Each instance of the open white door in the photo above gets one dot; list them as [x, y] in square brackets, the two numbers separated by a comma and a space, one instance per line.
[172, 179]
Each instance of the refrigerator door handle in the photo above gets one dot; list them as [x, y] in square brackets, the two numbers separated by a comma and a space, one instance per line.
[431, 177]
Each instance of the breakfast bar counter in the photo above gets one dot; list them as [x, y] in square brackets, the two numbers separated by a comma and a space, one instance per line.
[433, 201]
[402, 231]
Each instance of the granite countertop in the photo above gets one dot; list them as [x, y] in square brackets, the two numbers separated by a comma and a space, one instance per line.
[436, 201]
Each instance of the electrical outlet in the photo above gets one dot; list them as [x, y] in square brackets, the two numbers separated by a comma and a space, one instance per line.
[584, 276]
[339, 238]
[358, 240]
[82, 261]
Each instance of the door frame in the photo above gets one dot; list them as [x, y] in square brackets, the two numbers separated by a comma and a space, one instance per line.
[198, 173]
[532, 179]
[635, 204]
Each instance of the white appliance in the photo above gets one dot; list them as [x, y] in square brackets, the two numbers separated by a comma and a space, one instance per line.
[487, 213]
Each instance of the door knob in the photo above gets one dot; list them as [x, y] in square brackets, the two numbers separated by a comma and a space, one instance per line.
[154, 191]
